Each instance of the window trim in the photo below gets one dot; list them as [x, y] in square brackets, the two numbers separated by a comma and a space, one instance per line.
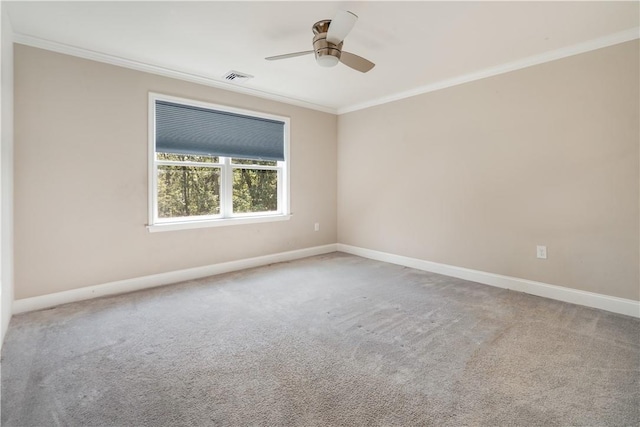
[226, 167]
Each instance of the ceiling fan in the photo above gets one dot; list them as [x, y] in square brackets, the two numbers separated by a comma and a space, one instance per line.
[327, 44]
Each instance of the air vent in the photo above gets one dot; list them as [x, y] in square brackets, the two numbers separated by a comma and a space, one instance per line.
[237, 77]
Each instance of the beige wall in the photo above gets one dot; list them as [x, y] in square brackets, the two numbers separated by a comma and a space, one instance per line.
[474, 176]
[81, 178]
[479, 174]
[6, 172]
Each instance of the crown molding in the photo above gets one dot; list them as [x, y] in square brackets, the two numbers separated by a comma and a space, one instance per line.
[610, 40]
[162, 71]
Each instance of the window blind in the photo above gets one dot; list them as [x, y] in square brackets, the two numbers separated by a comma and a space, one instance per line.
[186, 129]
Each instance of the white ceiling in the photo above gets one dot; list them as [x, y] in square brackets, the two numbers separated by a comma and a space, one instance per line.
[415, 45]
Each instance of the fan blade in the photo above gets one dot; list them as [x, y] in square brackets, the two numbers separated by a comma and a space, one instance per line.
[288, 55]
[356, 62]
[340, 26]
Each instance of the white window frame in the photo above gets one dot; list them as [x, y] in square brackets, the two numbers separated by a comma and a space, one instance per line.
[226, 216]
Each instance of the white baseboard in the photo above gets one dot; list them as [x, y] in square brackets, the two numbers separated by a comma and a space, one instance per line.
[138, 283]
[589, 299]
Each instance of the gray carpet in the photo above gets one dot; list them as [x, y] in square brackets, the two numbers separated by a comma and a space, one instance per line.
[325, 341]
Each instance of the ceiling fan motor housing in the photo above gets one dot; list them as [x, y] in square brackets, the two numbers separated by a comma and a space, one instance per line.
[327, 54]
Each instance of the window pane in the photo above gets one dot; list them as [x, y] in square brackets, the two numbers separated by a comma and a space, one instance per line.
[188, 191]
[254, 162]
[255, 190]
[186, 158]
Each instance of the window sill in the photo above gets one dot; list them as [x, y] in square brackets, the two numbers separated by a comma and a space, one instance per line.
[185, 225]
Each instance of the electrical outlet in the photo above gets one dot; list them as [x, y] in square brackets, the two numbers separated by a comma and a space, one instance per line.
[316, 226]
[541, 252]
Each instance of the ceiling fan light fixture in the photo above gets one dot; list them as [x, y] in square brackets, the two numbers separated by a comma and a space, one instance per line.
[327, 60]
[327, 54]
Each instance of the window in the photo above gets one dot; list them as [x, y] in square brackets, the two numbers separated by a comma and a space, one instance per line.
[211, 165]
